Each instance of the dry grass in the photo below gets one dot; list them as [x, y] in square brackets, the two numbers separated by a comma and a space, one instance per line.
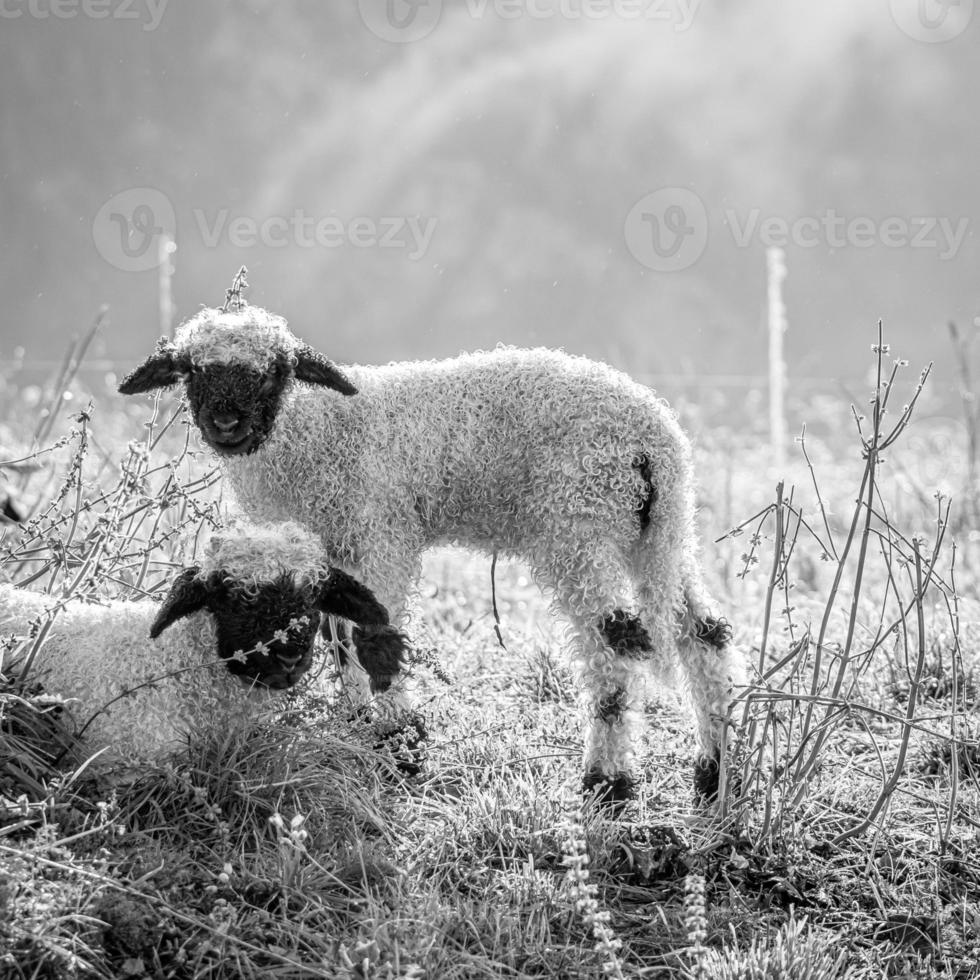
[288, 849]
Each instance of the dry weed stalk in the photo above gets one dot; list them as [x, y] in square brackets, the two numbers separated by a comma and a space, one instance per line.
[804, 694]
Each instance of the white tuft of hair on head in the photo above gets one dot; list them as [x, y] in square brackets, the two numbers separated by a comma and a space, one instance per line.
[251, 336]
[255, 553]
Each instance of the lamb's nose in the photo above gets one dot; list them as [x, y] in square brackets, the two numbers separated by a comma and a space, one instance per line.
[289, 661]
[225, 422]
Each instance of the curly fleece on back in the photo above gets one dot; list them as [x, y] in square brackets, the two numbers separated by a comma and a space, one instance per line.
[519, 451]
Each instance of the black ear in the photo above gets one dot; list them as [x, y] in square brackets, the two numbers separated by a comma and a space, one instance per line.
[161, 369]
[187, 594]
[313, 368]
[341, 595]
[11, 511]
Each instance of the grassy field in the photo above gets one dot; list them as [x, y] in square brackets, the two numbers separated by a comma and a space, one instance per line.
[291, 849]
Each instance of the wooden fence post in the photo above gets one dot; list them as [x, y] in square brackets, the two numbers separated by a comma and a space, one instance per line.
[775, 274]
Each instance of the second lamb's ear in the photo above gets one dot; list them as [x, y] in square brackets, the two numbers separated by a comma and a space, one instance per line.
[188, 594]
[161, 369]
[341, 595]
[313, 368]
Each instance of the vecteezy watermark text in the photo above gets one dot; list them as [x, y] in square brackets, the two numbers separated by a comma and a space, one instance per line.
[301, 230]
[135, 228]
[833, 230]
[403, 21]
[678, 13]
[150, 12]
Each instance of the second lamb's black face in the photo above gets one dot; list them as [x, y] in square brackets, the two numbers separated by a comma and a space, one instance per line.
[265, 632]
[264, 635]
[281, 617]
[234, 405]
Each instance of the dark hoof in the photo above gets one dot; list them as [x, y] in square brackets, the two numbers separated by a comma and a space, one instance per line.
[381, 651]
[646, 855]
[608, 793]
[406, 745]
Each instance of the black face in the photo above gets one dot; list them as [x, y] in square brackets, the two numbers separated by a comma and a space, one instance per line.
[243, 622]
[281, 616]
[235, 406]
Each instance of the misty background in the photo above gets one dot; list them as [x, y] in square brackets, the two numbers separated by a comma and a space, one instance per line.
[519, 138]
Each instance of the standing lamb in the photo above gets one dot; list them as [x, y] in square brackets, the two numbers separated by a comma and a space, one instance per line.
[229, 632]
[554, 459]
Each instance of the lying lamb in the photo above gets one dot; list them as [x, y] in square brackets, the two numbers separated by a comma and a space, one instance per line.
[228, 633]
[557, 460]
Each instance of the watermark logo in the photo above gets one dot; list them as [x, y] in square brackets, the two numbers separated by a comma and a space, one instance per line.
[130, 227]
[932, 457]
[400, 21]
[667, 230]
[148, 12]
[932, 21]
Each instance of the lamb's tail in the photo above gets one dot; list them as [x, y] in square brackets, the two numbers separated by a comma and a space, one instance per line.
[663, 548]
[685, 625]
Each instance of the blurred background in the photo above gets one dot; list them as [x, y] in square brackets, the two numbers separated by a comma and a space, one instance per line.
[410, 179]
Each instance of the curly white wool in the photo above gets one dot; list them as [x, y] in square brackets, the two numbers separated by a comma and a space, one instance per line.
[254, 553]
[94, 654]
[249, 336]
[507, 450]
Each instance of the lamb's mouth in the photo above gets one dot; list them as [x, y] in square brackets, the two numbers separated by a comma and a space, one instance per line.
[233, 447]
